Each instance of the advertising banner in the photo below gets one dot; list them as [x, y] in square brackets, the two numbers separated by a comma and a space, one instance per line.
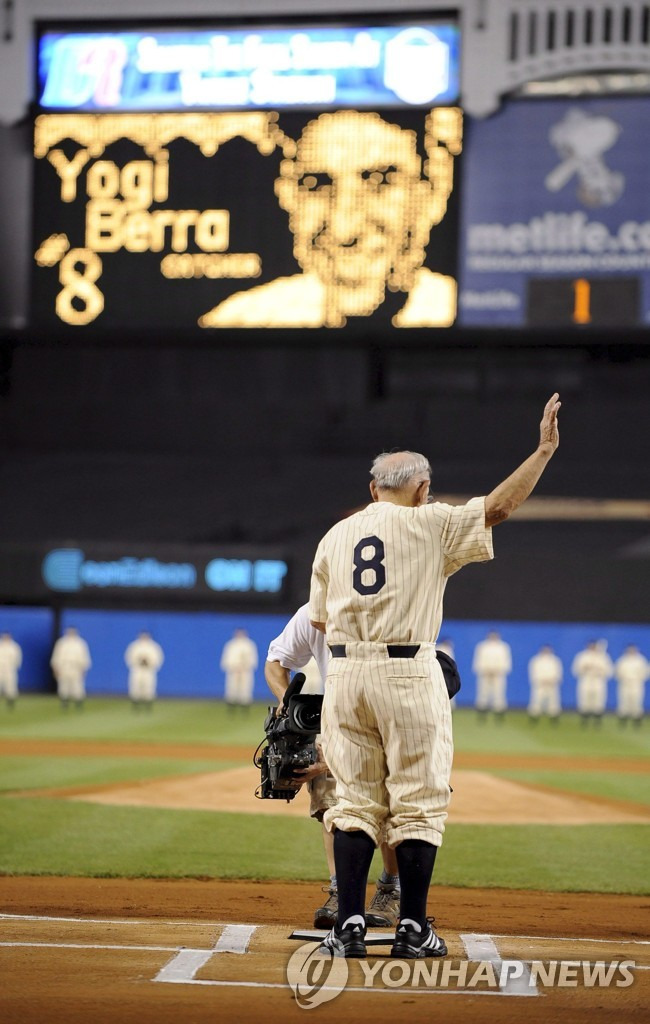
[298, 63]
[92, 573]
[555, 221]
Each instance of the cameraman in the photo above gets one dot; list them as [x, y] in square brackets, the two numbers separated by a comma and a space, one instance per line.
[298, 643]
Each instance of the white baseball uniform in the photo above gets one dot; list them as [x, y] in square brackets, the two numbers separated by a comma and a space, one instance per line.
[631, 670]
[11, 658]
[492, 664]
[239, 661]
[592, 668]
[70, 662]
[144, 658]
[299, 645]
[378, 581]
[545, 675]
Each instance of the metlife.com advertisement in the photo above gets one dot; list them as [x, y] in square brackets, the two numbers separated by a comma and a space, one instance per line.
[556, 214]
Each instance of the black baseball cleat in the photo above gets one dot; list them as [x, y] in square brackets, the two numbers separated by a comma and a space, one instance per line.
[411, 944]
[345, 942]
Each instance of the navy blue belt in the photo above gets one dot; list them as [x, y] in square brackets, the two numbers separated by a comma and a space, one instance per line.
[394, 650]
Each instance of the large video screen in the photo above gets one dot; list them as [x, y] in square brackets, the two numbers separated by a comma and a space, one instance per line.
[246, 219]
[298, 173]
[555, 225]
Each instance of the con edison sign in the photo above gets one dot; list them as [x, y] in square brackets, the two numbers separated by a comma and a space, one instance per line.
[69, 570]
[66, 569]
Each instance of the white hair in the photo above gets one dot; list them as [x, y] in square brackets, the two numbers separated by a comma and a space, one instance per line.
[393, 470]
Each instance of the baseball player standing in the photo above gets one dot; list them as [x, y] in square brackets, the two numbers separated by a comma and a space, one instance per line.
[377, 586]
[545, 675]
[144, 658]
[631, 671]
[592, 668]
[70, 662]
[300, 644]
[239, 660]
[492, 665]
[11, 658]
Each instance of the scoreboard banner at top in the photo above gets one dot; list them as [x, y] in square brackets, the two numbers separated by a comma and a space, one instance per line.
[281, 177]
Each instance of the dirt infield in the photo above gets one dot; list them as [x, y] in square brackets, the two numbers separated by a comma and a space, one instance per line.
[127, 951]
[479, 798]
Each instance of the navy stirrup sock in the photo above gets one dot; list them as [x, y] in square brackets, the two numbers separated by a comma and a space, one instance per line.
[353, 853]
[415, 858]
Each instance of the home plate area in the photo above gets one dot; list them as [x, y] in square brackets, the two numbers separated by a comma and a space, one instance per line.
[273, 957]
[475, 964]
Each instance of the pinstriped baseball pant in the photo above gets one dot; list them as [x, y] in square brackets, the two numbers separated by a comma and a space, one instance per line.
[387, 738]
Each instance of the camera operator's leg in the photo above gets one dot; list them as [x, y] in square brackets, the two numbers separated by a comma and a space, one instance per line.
[326, 915]
[383, 909]
[322, 795]
[328, 843]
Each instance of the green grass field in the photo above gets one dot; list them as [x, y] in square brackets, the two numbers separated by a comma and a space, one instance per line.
[39, 835]
[108, 719]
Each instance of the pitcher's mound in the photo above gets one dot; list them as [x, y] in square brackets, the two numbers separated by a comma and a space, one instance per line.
[478, 799]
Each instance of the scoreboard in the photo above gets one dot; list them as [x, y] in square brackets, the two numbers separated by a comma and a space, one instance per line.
[555, 226]
[319, 175]
[246, 219]
[301, 176]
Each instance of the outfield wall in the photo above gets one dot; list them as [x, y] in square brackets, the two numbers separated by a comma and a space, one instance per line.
[33, 630]
[193, 642]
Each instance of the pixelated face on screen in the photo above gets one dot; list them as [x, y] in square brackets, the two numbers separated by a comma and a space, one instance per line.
[359, 209]
[179, 219]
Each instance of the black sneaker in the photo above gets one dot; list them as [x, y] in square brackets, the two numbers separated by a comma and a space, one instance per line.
[345, 942]
[326, 915]
[410, 944]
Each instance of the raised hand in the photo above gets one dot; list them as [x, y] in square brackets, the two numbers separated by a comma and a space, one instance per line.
[548, 429]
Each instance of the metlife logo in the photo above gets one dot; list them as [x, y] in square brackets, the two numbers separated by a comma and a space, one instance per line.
[559, 240]
[71, 571]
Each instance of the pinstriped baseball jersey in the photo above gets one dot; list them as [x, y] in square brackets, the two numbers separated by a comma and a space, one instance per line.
[379, 576]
